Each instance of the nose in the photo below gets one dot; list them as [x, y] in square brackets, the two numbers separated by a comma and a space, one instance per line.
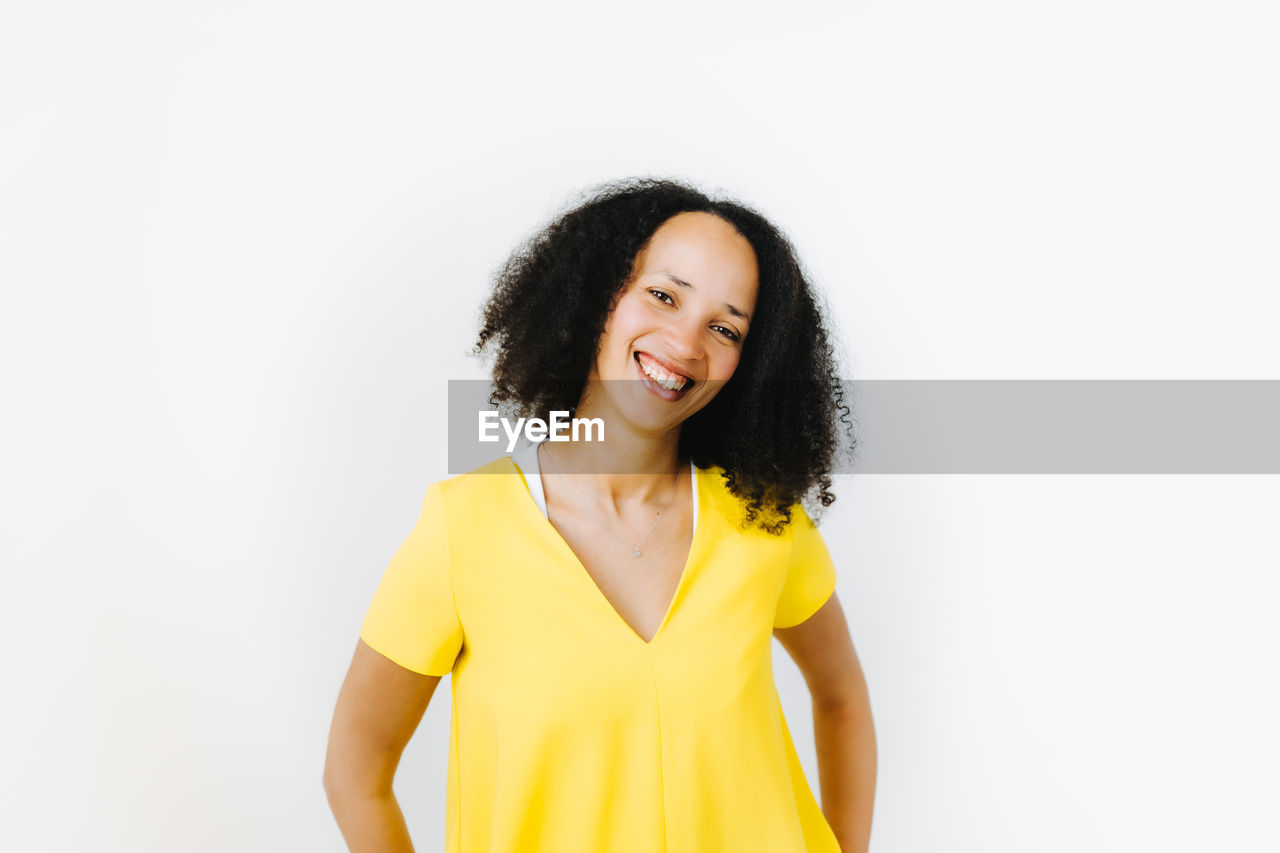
[683, 339]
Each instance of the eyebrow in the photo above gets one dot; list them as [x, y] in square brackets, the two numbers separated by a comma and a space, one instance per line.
[732, 310]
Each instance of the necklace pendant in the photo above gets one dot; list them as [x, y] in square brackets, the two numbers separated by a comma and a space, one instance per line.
[636, 553]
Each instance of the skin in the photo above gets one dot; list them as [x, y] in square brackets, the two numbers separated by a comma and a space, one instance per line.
[688, 304]
[843, 730]
[678, 307]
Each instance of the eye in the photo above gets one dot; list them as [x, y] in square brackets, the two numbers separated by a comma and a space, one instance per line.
[663, 296]
[727, 332]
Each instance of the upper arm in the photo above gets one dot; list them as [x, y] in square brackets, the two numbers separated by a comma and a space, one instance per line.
[378, 710]
[409, 639]
[823, 651]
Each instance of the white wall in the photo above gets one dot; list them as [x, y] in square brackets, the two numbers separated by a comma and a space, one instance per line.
[242, 248]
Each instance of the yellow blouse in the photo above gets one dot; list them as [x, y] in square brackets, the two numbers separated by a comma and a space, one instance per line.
[571, 734]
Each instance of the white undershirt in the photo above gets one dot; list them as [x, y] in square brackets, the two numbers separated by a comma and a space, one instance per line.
[526, 460]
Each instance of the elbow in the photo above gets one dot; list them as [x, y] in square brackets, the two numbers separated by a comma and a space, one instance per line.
[340, 793]
[336, 780]
[329, 780]
[851, 707]
[843, 692]
[849, 698]
[353, 781]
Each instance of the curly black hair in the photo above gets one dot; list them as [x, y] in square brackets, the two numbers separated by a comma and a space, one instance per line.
[778, 423]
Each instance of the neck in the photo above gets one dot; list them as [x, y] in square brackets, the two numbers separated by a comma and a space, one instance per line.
[628, 467]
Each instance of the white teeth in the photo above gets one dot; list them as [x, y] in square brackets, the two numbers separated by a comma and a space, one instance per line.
[661, 377]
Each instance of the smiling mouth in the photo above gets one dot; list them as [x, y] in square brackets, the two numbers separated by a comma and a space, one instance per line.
[662, 379]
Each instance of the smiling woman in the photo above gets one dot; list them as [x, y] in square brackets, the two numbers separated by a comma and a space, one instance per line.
[682, 341]
[606, 609]
[713, 265]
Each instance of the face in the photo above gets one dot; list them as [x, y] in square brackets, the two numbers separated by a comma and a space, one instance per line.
[679, 324]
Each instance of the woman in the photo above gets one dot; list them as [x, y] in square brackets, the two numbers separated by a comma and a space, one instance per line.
[606, 608]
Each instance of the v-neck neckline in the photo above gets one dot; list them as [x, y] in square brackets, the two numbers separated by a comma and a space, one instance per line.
[544, 522]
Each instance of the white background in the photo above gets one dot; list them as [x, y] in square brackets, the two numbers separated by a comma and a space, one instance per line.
[243, 247]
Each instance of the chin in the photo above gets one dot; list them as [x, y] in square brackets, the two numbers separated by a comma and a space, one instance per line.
[650, 415]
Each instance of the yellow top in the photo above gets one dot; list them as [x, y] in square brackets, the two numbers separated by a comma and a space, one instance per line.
[569, 732]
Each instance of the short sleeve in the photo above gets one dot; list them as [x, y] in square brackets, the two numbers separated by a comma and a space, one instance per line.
[811, 576]
[413, 619]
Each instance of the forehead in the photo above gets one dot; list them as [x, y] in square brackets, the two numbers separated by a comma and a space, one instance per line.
[705, 251]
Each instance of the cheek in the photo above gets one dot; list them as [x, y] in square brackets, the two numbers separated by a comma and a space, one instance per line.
[624, 324]
[612, 330]
[725, 365]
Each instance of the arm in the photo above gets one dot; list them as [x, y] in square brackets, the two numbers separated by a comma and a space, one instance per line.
[379, 707]
[842, 725]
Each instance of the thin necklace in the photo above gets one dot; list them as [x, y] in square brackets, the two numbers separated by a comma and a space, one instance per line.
[591, 514]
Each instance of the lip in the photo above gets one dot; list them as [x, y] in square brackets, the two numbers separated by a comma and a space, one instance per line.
[658, 390]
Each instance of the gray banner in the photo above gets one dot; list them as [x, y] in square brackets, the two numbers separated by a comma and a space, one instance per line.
[1005, 427]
